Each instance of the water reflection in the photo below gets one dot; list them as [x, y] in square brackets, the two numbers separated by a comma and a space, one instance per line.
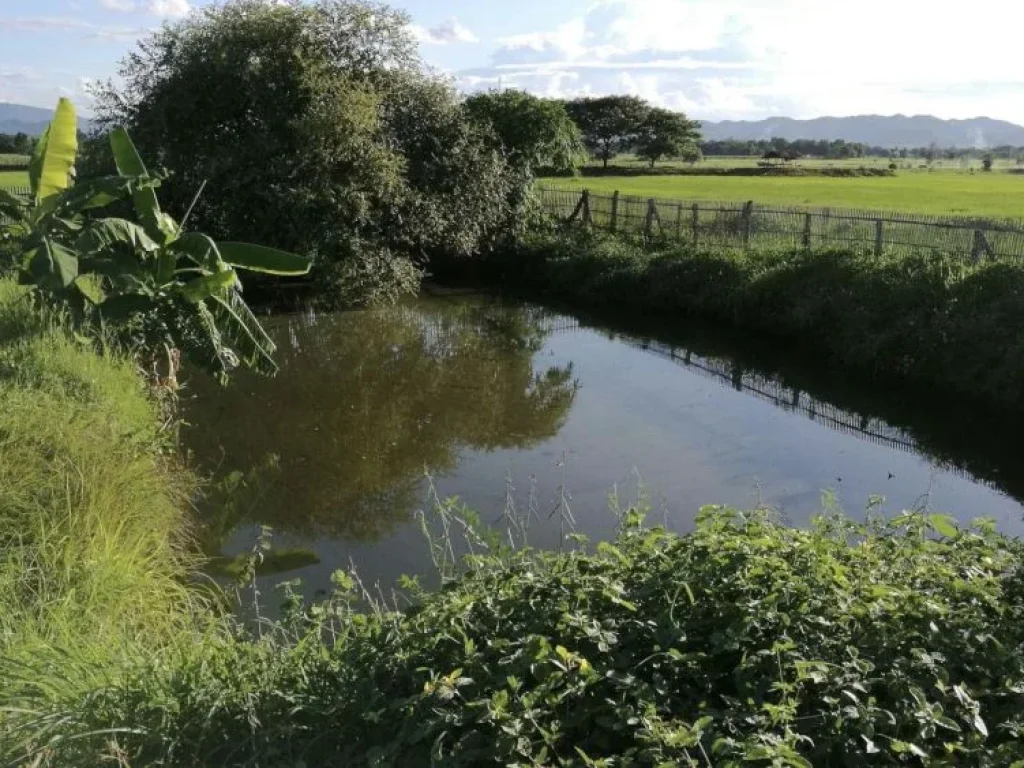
[369, 401]
[471, 390]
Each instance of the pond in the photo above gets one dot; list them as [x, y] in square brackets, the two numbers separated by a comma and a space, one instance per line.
[377, 412]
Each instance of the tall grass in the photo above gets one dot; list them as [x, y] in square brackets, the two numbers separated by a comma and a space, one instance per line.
[93, 563]
[932, 321]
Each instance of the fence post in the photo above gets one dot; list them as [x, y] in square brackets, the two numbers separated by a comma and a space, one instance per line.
[679, 221]
[878, 237]
[652, 211]
[807, 231]
[615, 211]
[696, 216]
[981, 246]
[748, 211]
[587, 219]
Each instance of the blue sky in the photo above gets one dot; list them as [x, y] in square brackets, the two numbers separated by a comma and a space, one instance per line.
[715, 59]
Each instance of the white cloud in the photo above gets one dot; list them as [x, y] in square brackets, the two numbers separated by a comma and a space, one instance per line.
[175, 8]
[118, 5]
[752, 58]
[450, 31]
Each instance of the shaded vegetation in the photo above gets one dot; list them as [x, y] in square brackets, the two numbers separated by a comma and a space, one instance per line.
[932, 320]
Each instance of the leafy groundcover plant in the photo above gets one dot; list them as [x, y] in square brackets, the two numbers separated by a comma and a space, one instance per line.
[895, 642]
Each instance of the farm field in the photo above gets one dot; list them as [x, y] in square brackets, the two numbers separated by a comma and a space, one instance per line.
[996, 195]
[905, 165]
[10, 179]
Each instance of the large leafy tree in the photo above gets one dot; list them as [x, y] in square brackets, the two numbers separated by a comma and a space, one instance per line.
[315, 128]
[665, 133]
[531, 131]
[609, 124]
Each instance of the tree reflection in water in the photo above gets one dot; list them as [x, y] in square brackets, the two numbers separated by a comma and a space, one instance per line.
[365, 403]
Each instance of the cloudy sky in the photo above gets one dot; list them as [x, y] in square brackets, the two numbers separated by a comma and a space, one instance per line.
[715, 59]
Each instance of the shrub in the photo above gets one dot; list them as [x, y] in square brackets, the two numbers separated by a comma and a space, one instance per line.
[744, 642]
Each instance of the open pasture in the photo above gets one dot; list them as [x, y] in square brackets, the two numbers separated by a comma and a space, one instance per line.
[996, 195]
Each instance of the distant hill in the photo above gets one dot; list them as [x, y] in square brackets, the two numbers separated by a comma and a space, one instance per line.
[876, 130]
[18, 118]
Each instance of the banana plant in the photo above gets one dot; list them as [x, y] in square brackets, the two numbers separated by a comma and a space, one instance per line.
[161, 285]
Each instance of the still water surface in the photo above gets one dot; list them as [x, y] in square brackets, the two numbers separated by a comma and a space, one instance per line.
[495, 401]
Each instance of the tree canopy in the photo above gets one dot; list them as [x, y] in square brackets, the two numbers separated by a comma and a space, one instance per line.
[531, 131]
[665, 133]
[609, 124]
[316, 128]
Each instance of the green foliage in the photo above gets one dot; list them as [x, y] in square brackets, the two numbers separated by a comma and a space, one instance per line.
[746, 642]
[53, 160]
[531, 131]
[665, 133]
[93, 529]
[932, 320]
[164, 288]
[317, 129]
[609, 124]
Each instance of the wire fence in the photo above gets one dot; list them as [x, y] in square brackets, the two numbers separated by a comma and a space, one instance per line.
[18, 191]
[748, 225]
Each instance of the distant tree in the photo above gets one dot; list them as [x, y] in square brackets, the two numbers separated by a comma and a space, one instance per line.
[771, 156]
[532, 132]
[609, 124]
[790, 155]
[665, 133]
[22, 143]
[691, 154]
[986, 162]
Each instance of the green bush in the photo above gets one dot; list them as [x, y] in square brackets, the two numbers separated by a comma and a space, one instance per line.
[744, 642]
[934, 320]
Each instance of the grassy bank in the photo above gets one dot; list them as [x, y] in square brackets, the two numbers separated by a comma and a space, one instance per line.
[92, 521]
[932, 321]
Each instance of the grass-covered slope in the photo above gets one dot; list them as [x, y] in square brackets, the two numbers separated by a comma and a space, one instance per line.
[91, 518]
[936, 321]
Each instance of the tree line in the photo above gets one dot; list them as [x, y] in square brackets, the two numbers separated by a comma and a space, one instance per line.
[15, 144]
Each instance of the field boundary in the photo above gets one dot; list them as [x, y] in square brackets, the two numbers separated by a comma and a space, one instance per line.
[749, 225]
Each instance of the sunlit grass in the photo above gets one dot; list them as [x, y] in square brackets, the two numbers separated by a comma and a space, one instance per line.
[979, 194]
[13, 179]
[92, 519]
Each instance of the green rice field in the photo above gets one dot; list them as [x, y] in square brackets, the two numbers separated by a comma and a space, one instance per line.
[996, 195]
[10, 179]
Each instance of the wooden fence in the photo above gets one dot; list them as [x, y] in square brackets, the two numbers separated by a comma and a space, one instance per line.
[748, 225]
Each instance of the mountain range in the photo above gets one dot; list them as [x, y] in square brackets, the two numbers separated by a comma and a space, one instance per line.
[18, 118]
[875, 130]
